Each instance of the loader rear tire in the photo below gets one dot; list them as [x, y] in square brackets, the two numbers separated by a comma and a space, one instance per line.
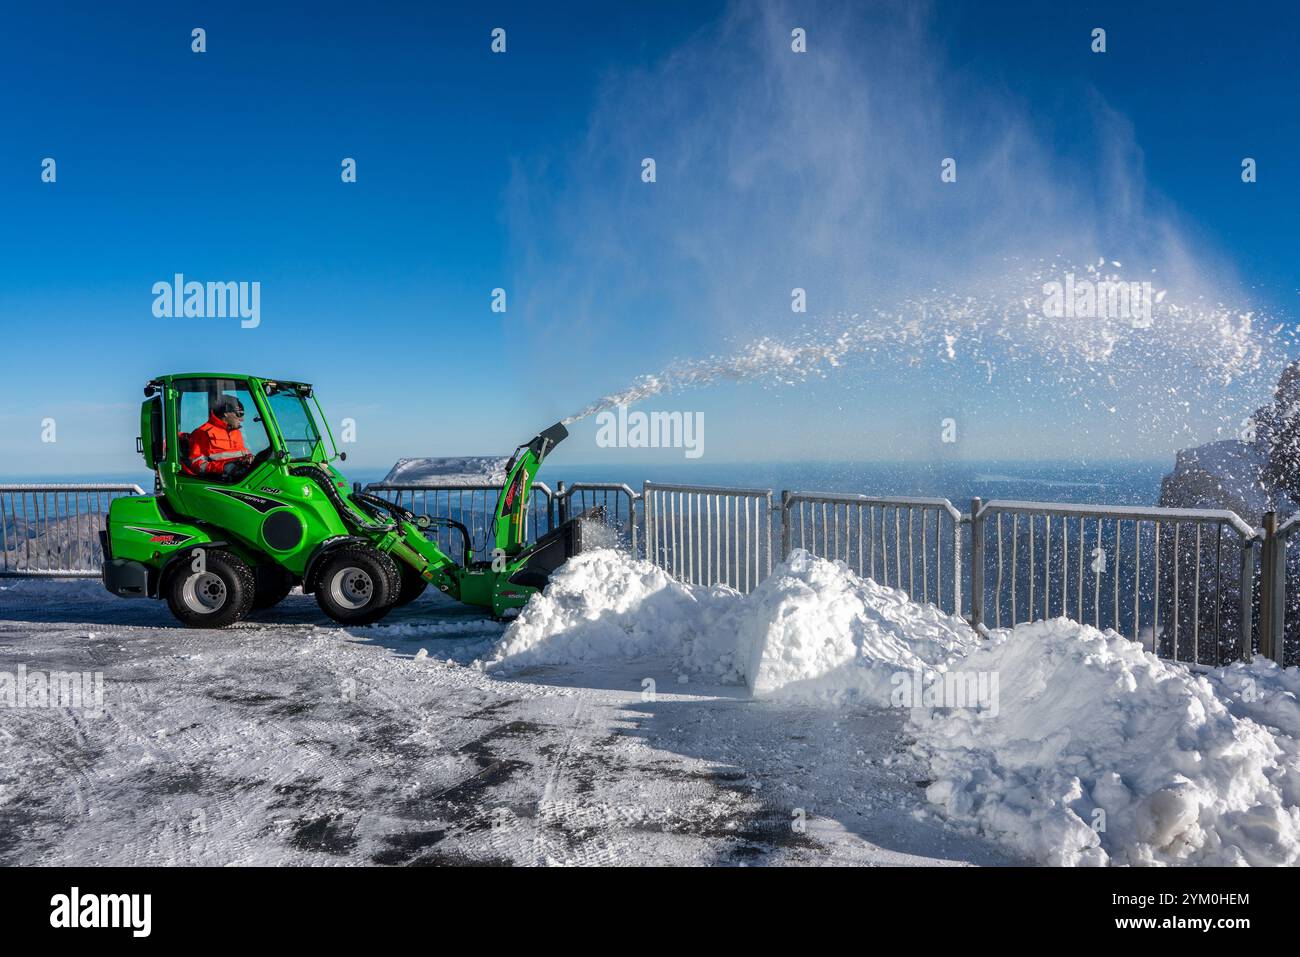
[413, 585]
[357, 585]
[218, 595]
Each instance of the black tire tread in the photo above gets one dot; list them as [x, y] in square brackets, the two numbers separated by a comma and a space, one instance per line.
[238, 575]
[360, 555]
[412, 586]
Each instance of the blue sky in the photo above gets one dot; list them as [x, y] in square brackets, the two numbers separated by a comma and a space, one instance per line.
[521, 171]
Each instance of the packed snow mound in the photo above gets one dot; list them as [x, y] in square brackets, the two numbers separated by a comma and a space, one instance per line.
[1100, 753]
[815, 632]
[1270, 696]
[1070, 745]
[462, 470]
[603, 605]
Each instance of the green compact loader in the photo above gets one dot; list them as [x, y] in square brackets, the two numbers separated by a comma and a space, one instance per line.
[216, 546]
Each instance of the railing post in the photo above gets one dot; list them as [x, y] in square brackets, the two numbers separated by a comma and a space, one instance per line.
[976, 565]
[1272, 591]
[647, 516]
[786, 496]
[957, 566]
[631, 519]
[1247, 596]
[563, 503]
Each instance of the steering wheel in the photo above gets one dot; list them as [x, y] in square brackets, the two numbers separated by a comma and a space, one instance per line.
[242, 468]
[261, 457]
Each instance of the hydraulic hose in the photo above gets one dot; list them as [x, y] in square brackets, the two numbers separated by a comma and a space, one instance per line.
[368, 501]
[349, 517]
[383, 504]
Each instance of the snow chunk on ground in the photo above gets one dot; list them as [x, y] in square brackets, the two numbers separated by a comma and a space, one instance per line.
[1092, 730]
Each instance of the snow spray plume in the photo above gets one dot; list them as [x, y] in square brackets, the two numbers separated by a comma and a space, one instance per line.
[821, 170]
[1006, 325]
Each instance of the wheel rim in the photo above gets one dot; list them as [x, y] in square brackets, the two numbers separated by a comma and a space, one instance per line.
[204, 593]
[352, 588]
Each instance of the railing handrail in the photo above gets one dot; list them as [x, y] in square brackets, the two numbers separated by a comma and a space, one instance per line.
[454, 487]
[1289, 526]
[887, 501]
[707, 489]
[1142, 513]
[74, 487]
[599, 487]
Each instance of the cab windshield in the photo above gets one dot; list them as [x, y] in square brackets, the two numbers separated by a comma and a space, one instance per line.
[296, 423]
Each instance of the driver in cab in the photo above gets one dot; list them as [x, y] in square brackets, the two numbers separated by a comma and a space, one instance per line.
[217, 446]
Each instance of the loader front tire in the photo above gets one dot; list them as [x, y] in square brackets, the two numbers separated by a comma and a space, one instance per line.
[218, 594]
[357, 585]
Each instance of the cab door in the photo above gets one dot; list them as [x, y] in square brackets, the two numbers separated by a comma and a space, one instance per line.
[227, 503]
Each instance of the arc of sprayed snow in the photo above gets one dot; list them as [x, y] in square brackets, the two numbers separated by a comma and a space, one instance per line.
[1220, 342]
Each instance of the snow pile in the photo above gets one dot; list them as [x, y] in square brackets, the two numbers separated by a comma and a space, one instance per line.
[604, 605]
[1070, 745]
[1100, 753]
[815, 632]
[1266, 694]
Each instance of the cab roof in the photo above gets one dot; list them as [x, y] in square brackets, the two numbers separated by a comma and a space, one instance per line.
[238, 376]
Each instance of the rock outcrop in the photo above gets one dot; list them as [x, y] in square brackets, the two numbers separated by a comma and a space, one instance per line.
[1258, 473]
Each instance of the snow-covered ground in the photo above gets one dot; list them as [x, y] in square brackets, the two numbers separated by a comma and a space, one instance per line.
[626, 718]
[288, 740]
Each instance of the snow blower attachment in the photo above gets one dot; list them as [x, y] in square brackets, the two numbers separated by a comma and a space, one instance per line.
[234, 530]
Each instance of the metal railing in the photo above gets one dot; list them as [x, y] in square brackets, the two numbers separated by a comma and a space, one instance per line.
[914, 544]
[1184, 581]
[53, 530]
[619, 501]
[1182, 578]
[707, 534]
[471, 504]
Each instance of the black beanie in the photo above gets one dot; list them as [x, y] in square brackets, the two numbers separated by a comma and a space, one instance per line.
[227, 403]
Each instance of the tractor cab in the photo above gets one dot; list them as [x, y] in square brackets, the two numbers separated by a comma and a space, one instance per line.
[272, 421]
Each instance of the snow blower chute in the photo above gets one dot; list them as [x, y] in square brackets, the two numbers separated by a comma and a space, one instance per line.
[230, 528]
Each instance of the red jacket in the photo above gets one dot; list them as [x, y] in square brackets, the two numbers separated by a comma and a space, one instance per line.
[212, 446]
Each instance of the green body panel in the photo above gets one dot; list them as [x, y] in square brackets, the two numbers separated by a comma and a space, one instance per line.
[139, 531]
[512, 509]
[241, 510]
[205, 509]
